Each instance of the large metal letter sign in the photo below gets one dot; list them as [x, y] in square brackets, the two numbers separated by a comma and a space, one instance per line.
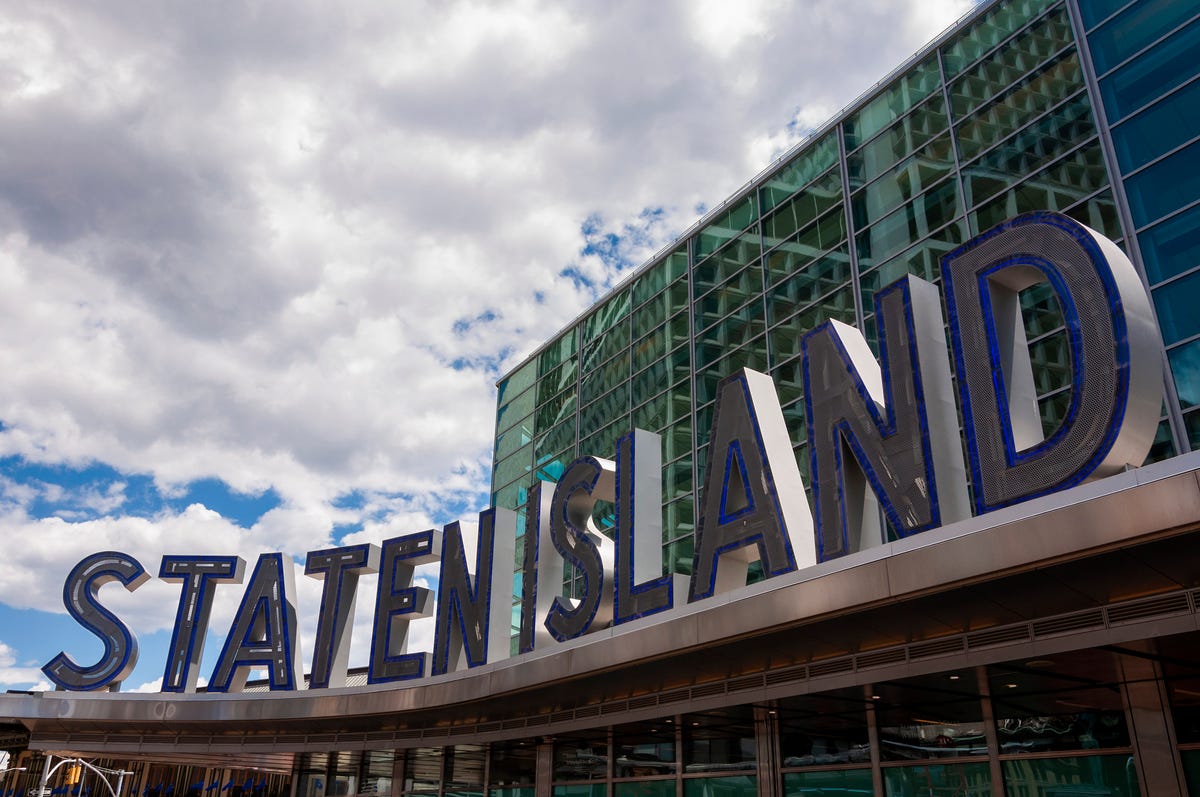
[263, 633]
[198, 574]
[397, 602]
[764, 515]
[1116, 388]
[574, 534]
[340, 569]
[639, 509]
[473, 620]
[890, 435]
[541, 577]
[120, 645]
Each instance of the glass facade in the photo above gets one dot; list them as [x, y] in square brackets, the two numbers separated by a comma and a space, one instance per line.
[1090, 109]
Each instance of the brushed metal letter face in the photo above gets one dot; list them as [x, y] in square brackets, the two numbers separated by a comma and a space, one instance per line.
[541, 576]
[199, 575]
[339, 568]
[1115, 348]
[80, 597]
[397, 602]
[754, 503]
[472, 619]
[575, 536]
[883, 435]
[641, 587]
[263, 633]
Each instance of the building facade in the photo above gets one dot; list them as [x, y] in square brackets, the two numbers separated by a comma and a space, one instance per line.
[1045, 648]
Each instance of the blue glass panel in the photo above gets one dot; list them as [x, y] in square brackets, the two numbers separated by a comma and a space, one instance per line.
[1134, 29]
[1158, 129]
[1152, 74]
[1093, 11]
[1185, 367]
[1171, 247]
[1176, 303]
[1166, 186]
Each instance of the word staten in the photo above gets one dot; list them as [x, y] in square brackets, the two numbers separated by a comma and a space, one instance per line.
[886, 457]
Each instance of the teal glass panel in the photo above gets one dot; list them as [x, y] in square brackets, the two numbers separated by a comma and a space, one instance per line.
[1030, 149]
[979, 83]
[1166, 186]
[556, 381]
[1176, 303]
[554, 441]
[1027, 99]
[557, 351]
[1191, 769]
[944, 780]
[728, 296]
[509, 441]
[725, 227]
[918, 83]
[659, 276]
[510, 496]
[912, 222]
[514, 466]
[810, 243]
[516, 410]
[1093, 12]
[1114, 775]
[802, 209]
[1057, 187]
[557, 410]
[1159, 129]
[608, 316]
[908, 178]
[905, 136]
[727, 262]
[799, 171]
[645, 788]
[1171, 247]
[727, 786]
[516, 383]
[988, 31]
[580, 790]
[611, 373]
[808, 285]
[1134, 29]
[836, 783]
[1152, 74]
[513, 791]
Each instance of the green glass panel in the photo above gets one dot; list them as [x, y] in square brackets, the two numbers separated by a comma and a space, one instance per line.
[802, 209]
[1136, 28]
[1191, 769]
[704, 418]
[902, 182]
[944, 780]
[799, 171]
[608, 316]
[1040, 310]
[604, 347]
[807, 245]
[1169, 123]
[1168, 185]
[650, 346]
[659, 276]
[753, 356]
[580, 790]
[1114, 775]
[509, 441]
[516, 410]
[677, 440]
[923, 260]
[554, 441]
[661, 307]
[1029, 150]
[912, 222]
[733, 332]
[611, 373]
[680, 555]
[900, 139]
[789, 380]
[988, 31]
[1152, 74]
[557, 351]
[663, 410]
[727, 297]
[515, 383]
[558, 410]
[514, 466]
[1025, 52]
[1096, 11]
[510, 496]
[677, 479]
[604, 442]
[835, 783]
[727, 786]
[1028, 98]
[645, 788]
[1099, 213]
[513, 791]
[724, 264]
[806, 286]
[1163, 446]
[794, 415]
[785, 338]
[1171, 247]
[891, 103]
[556, 381]
[725, 227]
[1057, 187]
[612, 405]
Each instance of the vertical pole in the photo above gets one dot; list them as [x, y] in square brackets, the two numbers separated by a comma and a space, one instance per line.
[873, 739]
[45, 776]
[989, 731]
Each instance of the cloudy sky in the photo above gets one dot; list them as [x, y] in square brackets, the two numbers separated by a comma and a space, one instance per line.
[262, 263]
